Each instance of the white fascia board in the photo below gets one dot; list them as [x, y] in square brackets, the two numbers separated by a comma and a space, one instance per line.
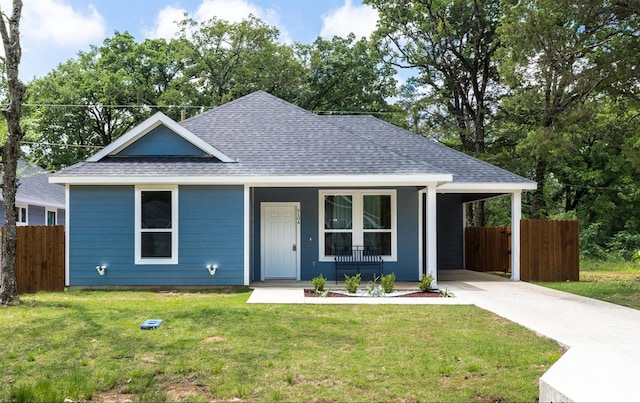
[488, 187]
[262, 181]
[39, 202]
[148, 125]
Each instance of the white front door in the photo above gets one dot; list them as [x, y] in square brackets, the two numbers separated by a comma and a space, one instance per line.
[279, 240]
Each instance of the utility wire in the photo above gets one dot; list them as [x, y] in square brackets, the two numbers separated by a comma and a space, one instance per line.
[201, 107]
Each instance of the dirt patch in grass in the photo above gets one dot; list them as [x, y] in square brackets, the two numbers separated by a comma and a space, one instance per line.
[173, 392]
[213, 339]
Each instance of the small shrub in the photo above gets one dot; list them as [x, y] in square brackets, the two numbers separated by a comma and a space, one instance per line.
[318, 283]
[352, 283]
[425, 283]
[447, 294]
[387, 282]
[374, 289]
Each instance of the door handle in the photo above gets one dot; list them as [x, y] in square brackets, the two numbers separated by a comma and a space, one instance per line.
[295, 248]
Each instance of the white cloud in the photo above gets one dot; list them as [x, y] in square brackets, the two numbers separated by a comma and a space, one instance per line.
[56, 23]
[361, 20]
[166, 23]
[229, 10]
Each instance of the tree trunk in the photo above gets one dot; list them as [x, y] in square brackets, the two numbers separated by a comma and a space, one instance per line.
[11, 149]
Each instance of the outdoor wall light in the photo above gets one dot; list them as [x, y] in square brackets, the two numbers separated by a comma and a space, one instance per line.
[212, 269]
[101, 269]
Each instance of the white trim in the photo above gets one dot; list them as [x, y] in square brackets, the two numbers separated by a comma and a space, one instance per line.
[39, 202]
[432, 234]
[148, 125]
[357, 212]
[25, 206]
[263, 206]
[516, 215]
[247, 233]
[486, 187]
[259, 181]
[174, 225]
[67, 235]
[421, 192]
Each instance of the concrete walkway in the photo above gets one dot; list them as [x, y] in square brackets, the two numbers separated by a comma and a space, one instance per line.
[602, 362]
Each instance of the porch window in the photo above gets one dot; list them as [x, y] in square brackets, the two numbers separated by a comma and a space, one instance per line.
[156, 226]
[349, 218]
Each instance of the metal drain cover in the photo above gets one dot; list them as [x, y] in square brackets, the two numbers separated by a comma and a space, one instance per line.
[151, 324]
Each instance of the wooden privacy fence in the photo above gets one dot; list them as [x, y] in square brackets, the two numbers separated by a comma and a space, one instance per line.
[488, 249]
[40, 258]
[549, 250]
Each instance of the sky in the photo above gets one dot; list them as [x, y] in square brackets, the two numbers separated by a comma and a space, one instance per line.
[54, 31]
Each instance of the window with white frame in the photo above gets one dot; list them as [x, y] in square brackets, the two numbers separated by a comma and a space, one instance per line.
[51, 217]
[156, 215]
[21, 215]
[358, 218]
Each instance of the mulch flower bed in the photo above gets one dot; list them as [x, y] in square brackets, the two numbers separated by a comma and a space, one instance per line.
[416, 294]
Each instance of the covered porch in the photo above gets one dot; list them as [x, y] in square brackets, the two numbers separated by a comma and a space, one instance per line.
[289, 237]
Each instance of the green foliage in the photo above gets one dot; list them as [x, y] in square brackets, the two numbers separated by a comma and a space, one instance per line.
[352, 282]
[374, 289]
[344, 74]
[597, 243]
[425, 282]
[446, 293]
[387, 282]
[319, 283]
[453, 45]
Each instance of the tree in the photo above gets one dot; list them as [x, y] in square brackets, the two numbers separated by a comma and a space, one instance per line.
[452, 44]
[10, 151]
[229, 60]
[90, 101]
[344, 74]
[557, 54]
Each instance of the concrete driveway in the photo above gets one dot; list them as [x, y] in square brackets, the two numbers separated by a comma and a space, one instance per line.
[603, 339]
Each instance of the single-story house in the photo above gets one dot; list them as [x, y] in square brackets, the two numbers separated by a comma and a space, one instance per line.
[260, 189]
[38, 202]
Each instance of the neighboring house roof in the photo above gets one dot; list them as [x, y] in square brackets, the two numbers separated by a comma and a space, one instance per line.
[34, 187]
[260, 135]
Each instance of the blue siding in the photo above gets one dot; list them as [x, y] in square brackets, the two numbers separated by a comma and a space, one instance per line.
[162, 141]
[102, 232]
[37, 215]
[62, 214]
[405, 269]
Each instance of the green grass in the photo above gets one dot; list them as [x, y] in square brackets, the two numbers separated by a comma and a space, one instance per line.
[615, 282]
[213, 346]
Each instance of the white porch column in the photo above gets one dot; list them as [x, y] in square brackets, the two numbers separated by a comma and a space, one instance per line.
[247, 237]
[432, 235]
[516, 215]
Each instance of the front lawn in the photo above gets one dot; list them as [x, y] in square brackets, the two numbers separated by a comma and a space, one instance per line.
[213, 346]
[615, 282]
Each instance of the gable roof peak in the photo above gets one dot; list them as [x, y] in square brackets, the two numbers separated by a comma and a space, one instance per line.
[156, 120]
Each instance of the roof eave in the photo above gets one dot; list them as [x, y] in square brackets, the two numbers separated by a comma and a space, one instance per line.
[487, 187]
[262, 181]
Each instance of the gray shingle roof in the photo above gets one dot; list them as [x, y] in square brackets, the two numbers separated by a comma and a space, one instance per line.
[270, 137]
[463, 167]
[34, 186]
